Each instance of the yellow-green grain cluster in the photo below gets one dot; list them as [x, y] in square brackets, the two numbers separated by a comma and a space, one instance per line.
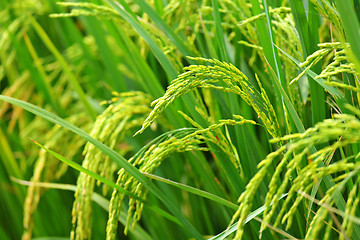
[329, 12]
[220, 76]
[340, 63]
[275, 11]
[150, 158]
[343, 130]
[86, 9]
[126, 111]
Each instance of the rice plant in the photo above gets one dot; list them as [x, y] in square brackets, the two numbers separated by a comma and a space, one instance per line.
[135, 119]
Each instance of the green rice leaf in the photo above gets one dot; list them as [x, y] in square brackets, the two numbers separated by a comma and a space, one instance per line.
[120, 160]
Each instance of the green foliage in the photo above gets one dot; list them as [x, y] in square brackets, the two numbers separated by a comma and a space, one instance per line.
[184, 117]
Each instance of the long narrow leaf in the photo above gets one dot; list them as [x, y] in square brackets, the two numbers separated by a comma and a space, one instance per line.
[41, 32]
[194, 191]
[120, 160]
[159, 54]
[86, 171]
[351, 25]
[339, 98]
[97, 198]
[234, 227]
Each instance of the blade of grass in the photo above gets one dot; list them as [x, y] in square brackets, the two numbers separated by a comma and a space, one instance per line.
[93, 70]
[251, 216]
[265, 35]
[25, 60]
[193, 190]
[10, 202]
[87, 172]
[44, 80]
[117, 158]
[288, 104]
[149, 81]
[6, 152]
[159, 54]
[101, 201]
[307, 26]
[199, 39]
[351, 26]
[208, 40]
[3, 234]
[104, 203]
[116, 79]
[200, 165]
[165, 28]
[219, 32]
[230, 174]
[301, 24]
[263, 32]
[44, 37]
[274, 52]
